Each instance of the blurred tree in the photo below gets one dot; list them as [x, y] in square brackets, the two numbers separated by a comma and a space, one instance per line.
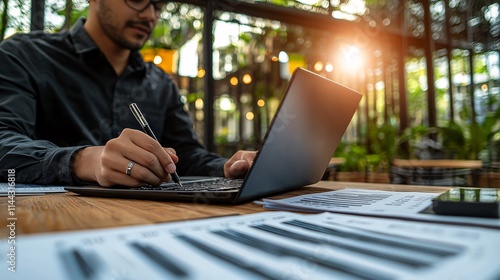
[14, 16]
[4, 14]
[67, 14]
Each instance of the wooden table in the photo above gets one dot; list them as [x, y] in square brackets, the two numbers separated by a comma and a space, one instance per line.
[69, 211]
[438, 163]
[452, 164]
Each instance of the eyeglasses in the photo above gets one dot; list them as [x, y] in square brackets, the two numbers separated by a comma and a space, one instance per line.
[141, 5]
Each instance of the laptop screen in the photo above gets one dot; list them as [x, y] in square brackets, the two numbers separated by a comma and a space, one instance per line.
[312, 118]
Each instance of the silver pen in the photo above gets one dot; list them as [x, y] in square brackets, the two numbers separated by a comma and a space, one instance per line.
[147, 129]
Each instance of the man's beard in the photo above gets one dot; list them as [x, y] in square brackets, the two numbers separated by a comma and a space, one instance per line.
[110, 27]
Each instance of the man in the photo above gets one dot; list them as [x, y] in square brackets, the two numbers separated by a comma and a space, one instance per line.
[64, 97]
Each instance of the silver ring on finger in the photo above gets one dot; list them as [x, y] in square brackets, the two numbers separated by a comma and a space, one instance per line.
[129, 167]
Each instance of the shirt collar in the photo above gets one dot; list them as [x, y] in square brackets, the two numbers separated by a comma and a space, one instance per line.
[83, 43]
[81, 39]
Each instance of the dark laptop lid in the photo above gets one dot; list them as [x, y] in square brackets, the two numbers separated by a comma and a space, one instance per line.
[308, 126]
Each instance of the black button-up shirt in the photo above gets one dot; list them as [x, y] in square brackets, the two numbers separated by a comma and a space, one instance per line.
[58, 94]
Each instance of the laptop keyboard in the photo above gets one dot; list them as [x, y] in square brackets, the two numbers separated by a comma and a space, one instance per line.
[219, 184]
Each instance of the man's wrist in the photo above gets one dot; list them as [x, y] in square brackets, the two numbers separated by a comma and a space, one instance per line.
[82, 165]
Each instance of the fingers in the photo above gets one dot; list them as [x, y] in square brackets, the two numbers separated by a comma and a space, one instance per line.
[115, 177]
[150, 153]
[238, 169]
[137, 174]
[239, 164]
[152, 164]
[172, 153]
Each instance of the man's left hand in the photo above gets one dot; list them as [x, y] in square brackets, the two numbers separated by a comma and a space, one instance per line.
[239, 164]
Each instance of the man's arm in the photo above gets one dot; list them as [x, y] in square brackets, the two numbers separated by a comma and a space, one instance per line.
[35, 161]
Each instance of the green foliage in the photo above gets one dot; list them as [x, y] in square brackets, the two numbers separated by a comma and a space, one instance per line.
[482, 135]
[192, 96]
[355, 157]
[374, 163]
[411, 137]
[384, 144]
[245, 37]
[472, 140]
[477, 140]
[453, 140]
[167, 37]
[20, 22]
[479, 64]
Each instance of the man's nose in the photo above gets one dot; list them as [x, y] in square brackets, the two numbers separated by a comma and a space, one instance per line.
[149, 12]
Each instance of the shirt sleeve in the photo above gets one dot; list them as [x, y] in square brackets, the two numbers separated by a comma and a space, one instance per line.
[34, 161]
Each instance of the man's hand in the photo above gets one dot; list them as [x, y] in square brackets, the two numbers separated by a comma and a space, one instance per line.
[107, 165]
[239, 164]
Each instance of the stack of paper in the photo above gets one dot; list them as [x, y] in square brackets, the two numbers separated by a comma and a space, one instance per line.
[25, 189]
[271, 245]
[406, 205]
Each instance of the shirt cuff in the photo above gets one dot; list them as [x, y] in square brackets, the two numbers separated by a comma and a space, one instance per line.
[59, 164]
[217, 169]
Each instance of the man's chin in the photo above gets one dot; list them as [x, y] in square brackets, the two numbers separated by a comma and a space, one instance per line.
[136, 48]
[138, 44]
[133, 46]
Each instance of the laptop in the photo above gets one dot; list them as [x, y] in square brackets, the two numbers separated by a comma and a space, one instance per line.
[307, 127]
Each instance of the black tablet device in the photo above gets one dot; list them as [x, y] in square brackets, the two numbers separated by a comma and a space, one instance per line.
[476, 202]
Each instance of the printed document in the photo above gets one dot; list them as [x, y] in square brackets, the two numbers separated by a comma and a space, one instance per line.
[270, 245]
[405, 205]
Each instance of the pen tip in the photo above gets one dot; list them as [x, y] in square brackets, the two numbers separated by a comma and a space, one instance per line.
[176, 178]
